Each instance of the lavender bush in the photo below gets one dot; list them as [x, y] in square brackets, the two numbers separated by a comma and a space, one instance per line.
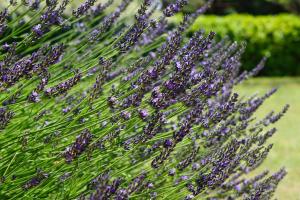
[100, 104]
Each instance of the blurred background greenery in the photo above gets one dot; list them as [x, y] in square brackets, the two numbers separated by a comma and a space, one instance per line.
[274, 36]
[256, 7]
[270, 27]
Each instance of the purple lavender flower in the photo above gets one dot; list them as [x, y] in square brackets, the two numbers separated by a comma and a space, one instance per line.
[132, 36]
[195, 166]
[168, 143]
[34, 97]
[125, 115]
[97, 10]
[172, 172]
[189, 197]
[143, 113]
[108, 21]
[35, 181]
[6, 47]
[83, 8]
[37, 30]
[63, 87]
[35, 4]
[112, 101]
[173, 8]
[79, 146]
[5, 117]
[3, 17]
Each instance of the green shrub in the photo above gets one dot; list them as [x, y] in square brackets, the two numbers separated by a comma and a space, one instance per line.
[291, 5]
[275, 36]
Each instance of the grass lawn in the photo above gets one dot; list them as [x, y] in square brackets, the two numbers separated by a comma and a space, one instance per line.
[286, 150]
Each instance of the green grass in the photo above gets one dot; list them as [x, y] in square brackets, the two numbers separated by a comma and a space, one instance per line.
[287, 140]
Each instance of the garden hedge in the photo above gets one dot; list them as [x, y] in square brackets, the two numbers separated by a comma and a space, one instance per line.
[275, 36]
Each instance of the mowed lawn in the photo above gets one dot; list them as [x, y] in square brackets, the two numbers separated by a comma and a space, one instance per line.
[286, 149]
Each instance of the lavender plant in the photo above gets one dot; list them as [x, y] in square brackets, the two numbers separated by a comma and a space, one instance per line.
[100, 104]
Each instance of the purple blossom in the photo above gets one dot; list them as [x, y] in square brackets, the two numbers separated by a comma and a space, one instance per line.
[172, 172]
[78, 147]
[34, 97]
[3, 18]
[5, 117]
[63, 86]
[173, 8]
[37, 29]
[125, 115]
[108, 21]
[132, 35]
[97, 10]
[36, 180]
[83, 8]
[143, 113]
[168, 143]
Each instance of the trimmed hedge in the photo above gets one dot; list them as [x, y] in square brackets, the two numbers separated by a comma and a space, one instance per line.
[276, 36]
[291, 5]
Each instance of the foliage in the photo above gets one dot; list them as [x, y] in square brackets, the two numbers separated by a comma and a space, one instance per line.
[255, 7]
[104, 105]
[276, 36]
[291, 5]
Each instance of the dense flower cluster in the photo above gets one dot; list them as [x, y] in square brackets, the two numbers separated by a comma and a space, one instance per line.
[112, 104]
